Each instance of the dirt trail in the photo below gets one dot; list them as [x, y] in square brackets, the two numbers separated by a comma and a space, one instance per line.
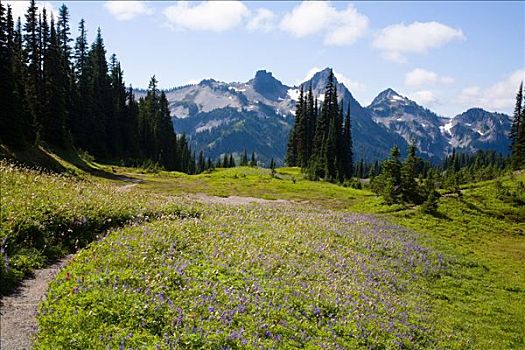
[232, 200]
[18, 310]
[126, 188]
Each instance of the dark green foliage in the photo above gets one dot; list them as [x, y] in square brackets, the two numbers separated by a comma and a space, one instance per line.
[12, 113]
[253, 161]
[69, 99]
[53, 114]
[244, 158]
[409, 186]
[398, 182]
[321, 142]
[461, 168]
[391, 178]
[430, 205]
[517, 132]
[347, 149]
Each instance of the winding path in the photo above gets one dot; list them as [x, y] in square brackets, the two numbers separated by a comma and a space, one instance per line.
[18, 310]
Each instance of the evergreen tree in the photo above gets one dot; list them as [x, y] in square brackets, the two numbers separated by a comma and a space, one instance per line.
[226, 161]
[64, 31]
[81, 95]
[311, 115]
[99, 91]
[11, 101]
[347, 146]
[231, 163]
[409, 186]
[32, 59]
[117, 117]
[54, 107]
[516, 132]
[300, 127]
[324, 145]
[388, 184]
[201, 164]
[253, 161]
[63, 38]
[244, 158]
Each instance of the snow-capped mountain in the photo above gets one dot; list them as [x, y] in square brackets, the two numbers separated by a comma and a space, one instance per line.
[478, 129]
[436, 136]
[411, 121]
[257, 115]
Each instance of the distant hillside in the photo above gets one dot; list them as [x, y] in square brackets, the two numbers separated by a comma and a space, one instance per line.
[257, 115]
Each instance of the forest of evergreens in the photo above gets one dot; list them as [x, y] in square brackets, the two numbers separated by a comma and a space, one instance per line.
[62, 92]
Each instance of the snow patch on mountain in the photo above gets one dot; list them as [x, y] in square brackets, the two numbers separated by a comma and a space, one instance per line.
[293, 94]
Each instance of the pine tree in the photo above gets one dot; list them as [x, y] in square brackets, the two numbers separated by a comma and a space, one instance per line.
[63, 37]
[244, 158]
[409, 186]
[54, 107]
[231, 163]
[516, 132]
[253, 161]
[117, 117]
[347, 146]
[201, 164]
[64, 31]
[391, 177]
[311, 116]
[11, 116]
[32, 58]
[300, 129]
[321, 156]
[226, 161]
[99, 91]
[81, 97]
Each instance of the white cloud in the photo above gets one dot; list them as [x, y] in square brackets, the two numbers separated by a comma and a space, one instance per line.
[315, 17]
[352, 85]
[499, 97]
[126, 10]
[418, 37]
[426, 98]
[19, 9]
[420, 77]
[264, 20]
[214, 16]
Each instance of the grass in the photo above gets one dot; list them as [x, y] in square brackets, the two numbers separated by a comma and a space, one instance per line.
[247, 277]
[472, 299]
[288, 183]
[45, 216]
[480, 303]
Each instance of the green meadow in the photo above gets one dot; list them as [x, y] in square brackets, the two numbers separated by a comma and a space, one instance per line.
[156, 266]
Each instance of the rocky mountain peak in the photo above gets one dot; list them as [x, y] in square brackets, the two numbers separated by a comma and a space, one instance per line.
[265, 84]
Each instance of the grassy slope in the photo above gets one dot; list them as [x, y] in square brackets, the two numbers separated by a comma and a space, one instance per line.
[250, 276]
[480, 303]
[44, 216]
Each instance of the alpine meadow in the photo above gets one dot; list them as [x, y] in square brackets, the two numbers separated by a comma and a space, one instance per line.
[249, 212]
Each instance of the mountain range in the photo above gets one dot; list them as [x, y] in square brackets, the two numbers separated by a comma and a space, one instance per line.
[257, 115]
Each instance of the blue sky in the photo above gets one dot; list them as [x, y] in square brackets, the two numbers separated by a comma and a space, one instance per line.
[448, 56]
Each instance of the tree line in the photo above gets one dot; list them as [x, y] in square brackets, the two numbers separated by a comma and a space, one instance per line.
[517, 132]
[320, 142]
[63, 93]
